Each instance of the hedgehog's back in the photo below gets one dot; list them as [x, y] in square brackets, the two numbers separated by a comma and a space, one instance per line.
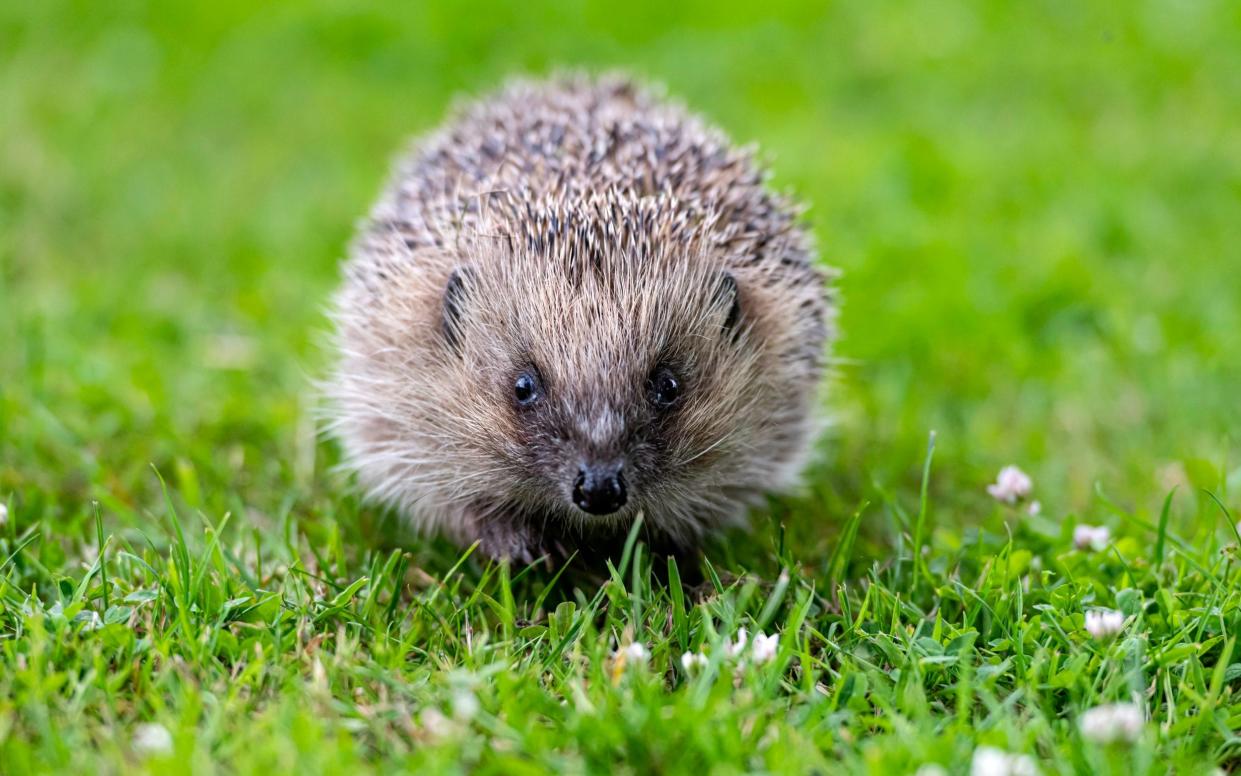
[571, 138]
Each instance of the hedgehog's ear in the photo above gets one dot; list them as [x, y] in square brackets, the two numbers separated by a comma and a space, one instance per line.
[454, 307]
[728, 297]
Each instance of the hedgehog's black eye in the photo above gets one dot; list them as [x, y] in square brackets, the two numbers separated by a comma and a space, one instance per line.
[527, 388]
[664, 388]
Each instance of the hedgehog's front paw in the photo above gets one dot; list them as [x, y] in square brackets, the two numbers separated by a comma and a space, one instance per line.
[506, 541]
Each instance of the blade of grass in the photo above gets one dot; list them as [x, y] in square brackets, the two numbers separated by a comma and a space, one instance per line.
[103, 558]
[920, 571]
[1162, 535]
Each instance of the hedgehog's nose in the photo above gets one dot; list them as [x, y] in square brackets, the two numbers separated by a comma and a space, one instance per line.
[599, 490]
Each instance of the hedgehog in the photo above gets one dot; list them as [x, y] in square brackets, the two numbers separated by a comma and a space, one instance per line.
[576, 306]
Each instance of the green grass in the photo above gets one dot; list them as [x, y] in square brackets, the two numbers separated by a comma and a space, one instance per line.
[1036, 208]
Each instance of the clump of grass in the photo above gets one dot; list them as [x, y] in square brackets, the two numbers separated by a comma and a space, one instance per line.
[191, 654]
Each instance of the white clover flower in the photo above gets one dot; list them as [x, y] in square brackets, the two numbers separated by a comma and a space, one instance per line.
[734, 649]
[4, 514]
[989, 761]
[152, 738]
[1011, 486]
[1091, 537]
[1035, 509]
[1112, 722]
[1104, 623]
[931, 769]
[692, 661]
[434, 723]
[464, 705]
[632, 654]
[634, 651]
[764, 647]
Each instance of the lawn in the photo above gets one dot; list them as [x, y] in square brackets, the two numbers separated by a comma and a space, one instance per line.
[1037, 211]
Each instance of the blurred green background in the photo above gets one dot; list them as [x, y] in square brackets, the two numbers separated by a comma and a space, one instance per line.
[1036, 208]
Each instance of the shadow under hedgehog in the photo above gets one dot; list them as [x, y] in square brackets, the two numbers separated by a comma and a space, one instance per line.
[575, 303]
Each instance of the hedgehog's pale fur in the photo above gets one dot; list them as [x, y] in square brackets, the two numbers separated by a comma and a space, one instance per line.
[589, 228]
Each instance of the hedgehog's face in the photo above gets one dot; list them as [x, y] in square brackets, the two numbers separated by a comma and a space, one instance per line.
[582, 446]
[596, 393]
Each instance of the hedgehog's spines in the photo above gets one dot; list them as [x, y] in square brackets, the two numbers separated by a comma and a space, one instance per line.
[599, 218]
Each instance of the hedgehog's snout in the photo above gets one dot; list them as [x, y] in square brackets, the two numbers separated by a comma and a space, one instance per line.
[600, 488]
